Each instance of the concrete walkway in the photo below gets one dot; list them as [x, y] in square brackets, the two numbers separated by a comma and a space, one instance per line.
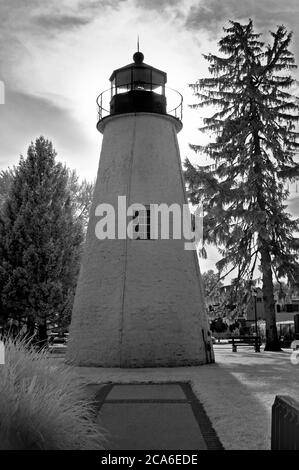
[153, 416]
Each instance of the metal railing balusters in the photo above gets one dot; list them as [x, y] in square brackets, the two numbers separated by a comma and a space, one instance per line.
[103, 102]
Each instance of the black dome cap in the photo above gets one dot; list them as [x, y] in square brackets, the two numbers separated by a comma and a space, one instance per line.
[138, 57]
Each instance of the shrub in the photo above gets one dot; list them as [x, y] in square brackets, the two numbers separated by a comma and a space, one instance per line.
[40, 405]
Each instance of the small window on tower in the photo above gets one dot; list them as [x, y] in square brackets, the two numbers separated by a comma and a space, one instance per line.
[142, 224]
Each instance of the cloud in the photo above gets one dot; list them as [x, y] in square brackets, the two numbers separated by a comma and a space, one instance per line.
[30, 31]
[94, 5]
[172, 11]
[61, 22]
[25, 26]
[27, 116]
[211, 15]
[207, 15]
[35, 17]
[69, 18]
[156, 4]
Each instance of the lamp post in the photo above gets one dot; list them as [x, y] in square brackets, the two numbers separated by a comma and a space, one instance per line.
[257, 344]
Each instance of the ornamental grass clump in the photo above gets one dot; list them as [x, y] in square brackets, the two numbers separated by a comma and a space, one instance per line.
[41, 407]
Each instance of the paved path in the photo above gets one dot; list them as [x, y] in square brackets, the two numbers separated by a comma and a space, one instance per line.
[153, 416]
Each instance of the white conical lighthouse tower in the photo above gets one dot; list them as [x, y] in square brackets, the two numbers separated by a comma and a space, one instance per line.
[139, 299]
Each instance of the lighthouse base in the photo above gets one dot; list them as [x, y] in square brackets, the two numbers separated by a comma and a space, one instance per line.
[139, 302]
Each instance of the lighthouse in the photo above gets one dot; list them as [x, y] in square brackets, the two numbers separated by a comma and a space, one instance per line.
[139, 300]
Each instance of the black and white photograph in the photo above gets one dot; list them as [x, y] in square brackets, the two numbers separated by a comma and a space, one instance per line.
[149, 231]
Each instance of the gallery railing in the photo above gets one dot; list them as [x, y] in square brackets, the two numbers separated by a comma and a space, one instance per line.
[174, 100]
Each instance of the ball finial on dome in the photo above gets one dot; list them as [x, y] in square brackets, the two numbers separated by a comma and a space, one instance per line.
[138, 57]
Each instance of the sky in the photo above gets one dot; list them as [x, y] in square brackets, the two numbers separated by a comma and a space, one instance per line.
[56, 56]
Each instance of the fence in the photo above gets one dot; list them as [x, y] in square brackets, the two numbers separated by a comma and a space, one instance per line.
[285, 424]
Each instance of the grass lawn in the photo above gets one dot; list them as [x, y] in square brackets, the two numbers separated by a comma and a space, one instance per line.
[237, 391]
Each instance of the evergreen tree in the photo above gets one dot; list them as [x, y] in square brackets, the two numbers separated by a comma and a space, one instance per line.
[211, 284]
[6, 178]
[81, 192]
[40, 241]
[243, 190]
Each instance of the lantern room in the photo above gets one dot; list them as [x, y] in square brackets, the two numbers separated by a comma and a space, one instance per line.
[138, 87]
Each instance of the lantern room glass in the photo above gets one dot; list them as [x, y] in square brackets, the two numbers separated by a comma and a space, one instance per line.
[138, 77]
